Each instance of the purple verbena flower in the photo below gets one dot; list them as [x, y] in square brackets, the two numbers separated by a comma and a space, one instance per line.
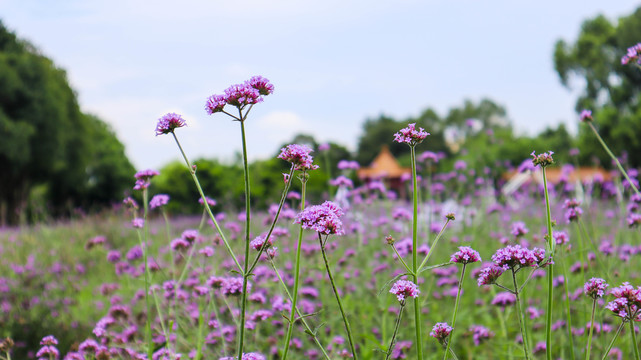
[586, 115]
[595, 288]
[632, 55]
[215, 103]
[504, 299]
[410, 135]
[441, 331]
[159, 200]
[404, 289]
[543, 159]
[299, 156]
[240, 95]
[489, 274]
[480, 334]
[210, 201]
[324, 218]
[168, 123]
[234, 286]
[519, 229]
[261, 84]
[259, 241]
[515, 257]
[246, 356]
[465, 255]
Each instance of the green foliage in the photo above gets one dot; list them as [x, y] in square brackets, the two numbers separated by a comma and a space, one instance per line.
[611, 90]
[46, 139]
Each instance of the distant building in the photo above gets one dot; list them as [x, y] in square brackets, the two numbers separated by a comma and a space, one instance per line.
[385, 167]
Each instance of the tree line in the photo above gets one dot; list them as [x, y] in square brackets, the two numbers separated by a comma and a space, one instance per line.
[58, 159]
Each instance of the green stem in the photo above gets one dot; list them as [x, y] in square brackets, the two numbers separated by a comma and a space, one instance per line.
[616, 161]
[607, 351]
[300, 314]
[407, 268]
[338, 299]
[520, 316]
[283, 197]
[458, 296]
[398, 322]
[292, 314]
[429, 253]
[633, 336]
[588, 348]
[243, 301]
[417, 309]
[567, 305]
[551, 248]
[192, 171]
[145, 232]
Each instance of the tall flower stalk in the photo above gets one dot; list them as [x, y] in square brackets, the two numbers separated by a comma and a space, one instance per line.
[594, 288]
[465, 255]
[586, 116]
[143, 179]
[544, 160]
[513, 258]
[627, 306]
[243, 97]
[402, 289]
[412, 137]
[325, 220]
[292, 314]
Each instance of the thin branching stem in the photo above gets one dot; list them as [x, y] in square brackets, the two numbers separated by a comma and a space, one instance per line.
[348, 329]
[292, 313]
[614, 158]
[398, 322]
[456, 304]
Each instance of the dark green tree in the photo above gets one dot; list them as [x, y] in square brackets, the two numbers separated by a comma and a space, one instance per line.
[47, 140]
[611, 90]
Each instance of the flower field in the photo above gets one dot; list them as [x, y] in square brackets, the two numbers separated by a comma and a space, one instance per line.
[459, 268]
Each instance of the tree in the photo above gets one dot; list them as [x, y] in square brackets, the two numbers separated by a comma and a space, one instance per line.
[611, 90]
[46, 139]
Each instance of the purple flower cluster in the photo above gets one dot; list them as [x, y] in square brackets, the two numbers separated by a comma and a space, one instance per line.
[404, 289]
[159, 200]
[324, 218]
[210, 201]
[627, 302]
[143, 178]
[48, 349]
[298, 156]
[342, 181]
[543, 159]
[519, 229]
[246, 356]
[410, 135]
[489, 274]
[586, 115]
[465, 255]
[632, 55]
[248, 93]
[233, 286]
[560, 237]
[259, 241]
[168, 123]
[573, 211]
[480, 334]
[595, 288]
[515, 257]
[441, 331]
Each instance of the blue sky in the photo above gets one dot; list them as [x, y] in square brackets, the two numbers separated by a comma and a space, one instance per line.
[333, 63]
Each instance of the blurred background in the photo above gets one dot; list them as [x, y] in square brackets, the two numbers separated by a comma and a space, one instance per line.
[82, 84]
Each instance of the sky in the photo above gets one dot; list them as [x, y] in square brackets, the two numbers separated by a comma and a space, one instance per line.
[334, 64]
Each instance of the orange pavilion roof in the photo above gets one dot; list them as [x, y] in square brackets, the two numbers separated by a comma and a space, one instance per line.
[383, 166]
